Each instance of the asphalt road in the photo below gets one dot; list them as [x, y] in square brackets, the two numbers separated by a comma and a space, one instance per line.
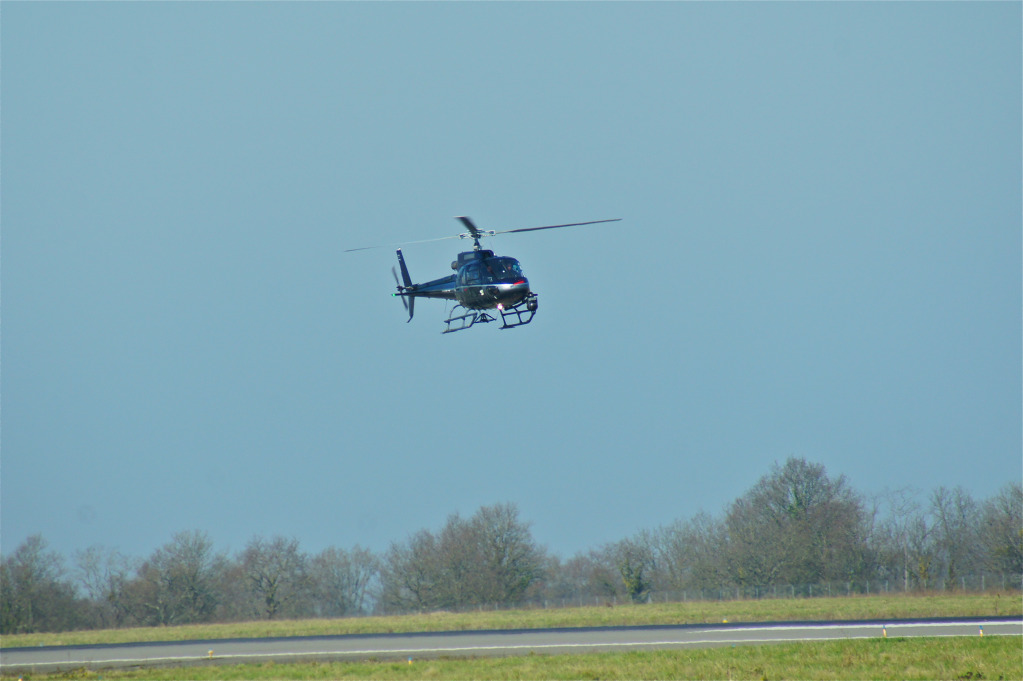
[475, 643]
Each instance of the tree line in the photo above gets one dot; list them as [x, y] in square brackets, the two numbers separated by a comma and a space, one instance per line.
[796, 526]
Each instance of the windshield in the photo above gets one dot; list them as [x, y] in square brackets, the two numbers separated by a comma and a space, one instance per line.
[503, 268]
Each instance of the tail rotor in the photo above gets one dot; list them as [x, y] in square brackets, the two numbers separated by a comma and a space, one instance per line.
[397, 281]
[404, 285]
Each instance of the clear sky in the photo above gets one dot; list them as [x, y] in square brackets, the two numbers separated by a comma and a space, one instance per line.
[820, 256]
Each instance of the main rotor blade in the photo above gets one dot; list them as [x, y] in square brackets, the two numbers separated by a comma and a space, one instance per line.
[403, 243]
[477, 233]
[571, 224]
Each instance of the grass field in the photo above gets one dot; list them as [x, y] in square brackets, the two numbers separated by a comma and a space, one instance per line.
[991, 657]
[768, 610]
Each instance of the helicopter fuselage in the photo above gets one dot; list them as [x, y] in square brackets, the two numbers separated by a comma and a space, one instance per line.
[483, 281]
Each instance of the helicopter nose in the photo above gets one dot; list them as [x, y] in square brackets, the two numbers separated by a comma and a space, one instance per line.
[519, 286]
[512, 293]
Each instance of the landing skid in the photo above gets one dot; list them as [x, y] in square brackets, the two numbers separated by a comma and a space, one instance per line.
[460, 322]
[510, 318]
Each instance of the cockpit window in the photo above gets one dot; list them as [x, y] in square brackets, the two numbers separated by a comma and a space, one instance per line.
[503, 268]
[471, 274]
[489, 271]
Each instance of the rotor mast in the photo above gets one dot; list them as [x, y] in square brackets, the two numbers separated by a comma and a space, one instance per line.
[474, 232]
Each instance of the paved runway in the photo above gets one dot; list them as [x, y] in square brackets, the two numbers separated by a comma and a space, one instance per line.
[469, 643]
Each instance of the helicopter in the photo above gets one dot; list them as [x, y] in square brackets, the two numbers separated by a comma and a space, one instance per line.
[484, 284]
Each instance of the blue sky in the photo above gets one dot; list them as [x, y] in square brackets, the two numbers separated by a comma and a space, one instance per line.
[820, 256]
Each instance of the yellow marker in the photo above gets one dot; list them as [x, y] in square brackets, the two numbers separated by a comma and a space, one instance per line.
[884, 631]
[410, 660]
[725, 620]
[211, 653]
[982, 630]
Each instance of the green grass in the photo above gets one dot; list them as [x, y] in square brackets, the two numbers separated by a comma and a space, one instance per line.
[990, 657]
[768, 610]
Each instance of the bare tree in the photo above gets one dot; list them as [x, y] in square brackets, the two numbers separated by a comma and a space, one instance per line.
[180, 583]
[797, 526]
[900, 536]
[489, 559]
[276, 574]
[584, 577]
[757, 551]
[923, 565]
[1002, 530]
[104, 575]
[956, 531]
[605, 578]
[689, 554]
[634, 562]
[410, 574]
[458, 577]
[237, 602]
[508, 561]
[342, 580]
[35, 595]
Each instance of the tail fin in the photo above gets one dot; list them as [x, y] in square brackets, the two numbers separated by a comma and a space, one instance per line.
[406, 281]
[405, 278]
